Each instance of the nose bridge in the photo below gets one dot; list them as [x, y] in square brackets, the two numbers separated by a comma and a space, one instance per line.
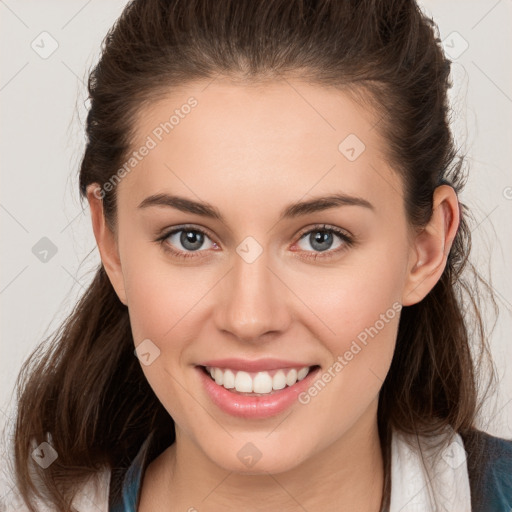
[252, 302]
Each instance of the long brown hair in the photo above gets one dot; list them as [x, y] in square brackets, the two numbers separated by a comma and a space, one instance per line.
[86, 388]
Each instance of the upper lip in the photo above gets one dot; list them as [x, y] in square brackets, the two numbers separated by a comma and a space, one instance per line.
[258, 365]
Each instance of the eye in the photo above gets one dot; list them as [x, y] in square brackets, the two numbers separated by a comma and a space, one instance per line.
[321, 239]
[190, 239]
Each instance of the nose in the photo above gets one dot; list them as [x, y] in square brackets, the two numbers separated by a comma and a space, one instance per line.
[253, 301]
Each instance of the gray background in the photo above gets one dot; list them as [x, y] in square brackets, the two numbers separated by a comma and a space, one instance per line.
[41, 141]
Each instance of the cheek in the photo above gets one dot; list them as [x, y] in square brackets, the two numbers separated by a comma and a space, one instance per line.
[363, 291]
[160, 294]
[362, 317]
[153, 305]
[359, 308]
[161, 306]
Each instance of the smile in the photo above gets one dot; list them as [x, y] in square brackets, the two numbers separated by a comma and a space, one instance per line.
[255, 395]
[260, 383]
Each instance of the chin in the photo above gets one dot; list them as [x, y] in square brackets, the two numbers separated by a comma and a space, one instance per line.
[257, 457]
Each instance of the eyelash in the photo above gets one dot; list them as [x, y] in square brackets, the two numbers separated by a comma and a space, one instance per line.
[348, 241]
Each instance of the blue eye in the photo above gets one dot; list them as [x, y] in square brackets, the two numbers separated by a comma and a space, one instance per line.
[192, 239]
[323, 239]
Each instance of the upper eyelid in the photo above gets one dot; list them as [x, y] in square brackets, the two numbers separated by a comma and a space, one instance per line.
[324, 227]
[171, 231]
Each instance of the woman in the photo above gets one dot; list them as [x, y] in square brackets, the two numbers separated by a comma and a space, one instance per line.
[278, 319]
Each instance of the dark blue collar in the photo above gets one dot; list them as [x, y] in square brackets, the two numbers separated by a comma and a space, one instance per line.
[128, 500]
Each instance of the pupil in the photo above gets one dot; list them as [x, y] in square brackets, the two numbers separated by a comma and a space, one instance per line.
[322, 238]
[193, 238]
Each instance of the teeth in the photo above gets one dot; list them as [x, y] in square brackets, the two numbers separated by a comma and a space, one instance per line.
[291, 377]
[243, 382]
[279, 380]
[261, 382]
[302, 373]
[229, 379]
[219, 376]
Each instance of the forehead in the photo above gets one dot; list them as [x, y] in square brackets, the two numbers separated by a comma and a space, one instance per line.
[257, 145]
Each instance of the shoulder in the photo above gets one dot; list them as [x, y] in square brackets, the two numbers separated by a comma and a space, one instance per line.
[489, 461]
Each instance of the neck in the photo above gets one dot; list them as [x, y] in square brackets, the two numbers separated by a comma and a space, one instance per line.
[348, 475]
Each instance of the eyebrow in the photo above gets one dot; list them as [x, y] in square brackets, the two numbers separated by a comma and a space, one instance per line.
[293, 210]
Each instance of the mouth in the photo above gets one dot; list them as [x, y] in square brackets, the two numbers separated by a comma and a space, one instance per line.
[253, 395]
[262, 383]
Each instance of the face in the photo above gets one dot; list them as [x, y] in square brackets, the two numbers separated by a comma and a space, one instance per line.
[317, 287]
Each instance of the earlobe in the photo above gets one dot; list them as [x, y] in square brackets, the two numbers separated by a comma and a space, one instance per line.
[431, 246]
[106, 241]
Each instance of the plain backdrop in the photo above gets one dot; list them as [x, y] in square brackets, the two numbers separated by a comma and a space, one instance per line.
[47, 49]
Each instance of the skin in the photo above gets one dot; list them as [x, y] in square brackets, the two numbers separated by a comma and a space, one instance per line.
[250, 151]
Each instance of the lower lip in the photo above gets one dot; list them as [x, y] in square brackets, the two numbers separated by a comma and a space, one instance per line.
[247, 406]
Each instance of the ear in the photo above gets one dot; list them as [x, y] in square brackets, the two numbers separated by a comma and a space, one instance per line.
[431, 246]
[106, 241]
